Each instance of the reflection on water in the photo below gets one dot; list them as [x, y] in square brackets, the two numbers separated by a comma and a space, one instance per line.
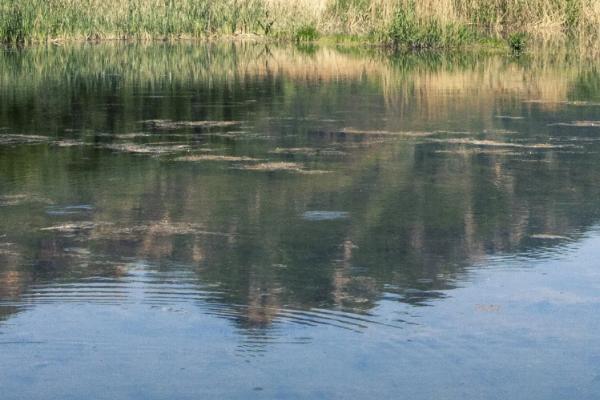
[386, 223]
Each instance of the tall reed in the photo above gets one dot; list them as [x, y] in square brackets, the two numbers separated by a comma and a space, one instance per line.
[421, 23]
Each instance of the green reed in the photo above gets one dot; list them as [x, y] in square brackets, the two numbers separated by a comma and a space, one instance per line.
[401, 23]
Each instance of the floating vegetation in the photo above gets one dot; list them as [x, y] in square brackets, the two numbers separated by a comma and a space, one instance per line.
[133, 135]
[332, 153]
[362, 144]
[242, 135]
[162, 228]
[488, 308]
[69, 143]
[212, 157]
[568, 103]
[547, 236]
[307, 151]
[325, 215]
[472, 151]
[108, 230]
[532, 160]
[294, 150]
[70, 210]
[410, 134]
[275, 166]
[10, 139]
[281, 166]
[6, 249]
[71, 227]
[11, 200]
[514, 117]
[500, 131]
[77, 252]
[147, 149]
[170, 228]
[576, 139]
[493, 143]
[17, 199]
[579, 124]
[169, 124]
[225, 135]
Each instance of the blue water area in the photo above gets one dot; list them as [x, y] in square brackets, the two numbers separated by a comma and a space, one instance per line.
[241, 221]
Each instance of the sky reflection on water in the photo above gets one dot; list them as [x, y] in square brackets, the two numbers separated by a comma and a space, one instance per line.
[189, 221]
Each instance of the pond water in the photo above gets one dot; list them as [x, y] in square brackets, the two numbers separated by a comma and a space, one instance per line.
[241, 221]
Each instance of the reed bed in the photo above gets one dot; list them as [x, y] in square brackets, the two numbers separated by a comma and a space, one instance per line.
[409, 23]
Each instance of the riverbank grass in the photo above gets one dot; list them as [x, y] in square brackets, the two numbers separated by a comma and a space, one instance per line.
[398, 23]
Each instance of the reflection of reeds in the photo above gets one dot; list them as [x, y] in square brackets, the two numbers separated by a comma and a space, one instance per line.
[410, 83]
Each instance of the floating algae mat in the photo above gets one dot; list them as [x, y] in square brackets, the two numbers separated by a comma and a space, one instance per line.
[579, 124]
[324, 215]
[168, 124]
[408, 134]
[281, 166]
[249, 221]
[151, 149]
[309, 151]
[494, 143]
[212, 157]
[13, 139]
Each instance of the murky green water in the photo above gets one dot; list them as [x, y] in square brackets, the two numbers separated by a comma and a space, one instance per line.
[238, 221]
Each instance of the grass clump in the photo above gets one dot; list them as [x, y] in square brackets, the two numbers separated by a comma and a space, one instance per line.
[306, 33]
[409, 30]
[517, 42]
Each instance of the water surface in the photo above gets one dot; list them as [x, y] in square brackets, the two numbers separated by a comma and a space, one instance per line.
[245, 221]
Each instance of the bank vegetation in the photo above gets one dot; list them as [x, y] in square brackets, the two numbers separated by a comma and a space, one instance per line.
[398, 23]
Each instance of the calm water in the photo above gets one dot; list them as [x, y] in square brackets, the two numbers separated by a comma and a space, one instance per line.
[251, 222]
